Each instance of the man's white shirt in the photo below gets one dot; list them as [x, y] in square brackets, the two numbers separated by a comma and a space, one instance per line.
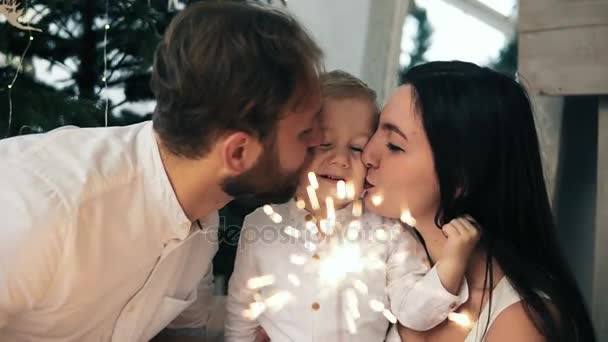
[94, 245]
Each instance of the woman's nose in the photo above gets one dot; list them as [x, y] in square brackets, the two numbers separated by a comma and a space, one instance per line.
[368, 157]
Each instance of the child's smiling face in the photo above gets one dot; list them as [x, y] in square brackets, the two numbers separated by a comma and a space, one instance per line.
[347, 126]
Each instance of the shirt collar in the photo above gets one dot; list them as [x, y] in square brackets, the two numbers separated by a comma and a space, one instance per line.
[159, 188]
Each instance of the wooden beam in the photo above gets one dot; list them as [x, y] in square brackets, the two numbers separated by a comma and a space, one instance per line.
[570, 61]
[383, 45]
[486, 14]
[600, 272]
[543, 15]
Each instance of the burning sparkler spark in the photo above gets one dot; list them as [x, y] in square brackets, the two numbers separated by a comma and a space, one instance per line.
[312, 178]
[312, 196]
[259, 282]
[341, 190]
[377, 200]
[407, 218]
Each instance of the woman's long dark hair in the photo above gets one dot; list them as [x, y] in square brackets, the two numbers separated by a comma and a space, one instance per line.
[481, 130]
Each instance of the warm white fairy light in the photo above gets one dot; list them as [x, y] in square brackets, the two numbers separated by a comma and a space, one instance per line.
[104, 78]
[300, 204]
[312, 178]
[11, 85]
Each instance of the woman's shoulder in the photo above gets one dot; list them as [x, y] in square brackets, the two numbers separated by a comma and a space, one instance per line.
[509, 319]
[514, 324]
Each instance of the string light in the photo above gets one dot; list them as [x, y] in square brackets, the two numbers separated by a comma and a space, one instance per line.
[104, 79]
[19, 67]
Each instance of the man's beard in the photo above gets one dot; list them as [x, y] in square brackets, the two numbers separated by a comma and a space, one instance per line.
[265, 183]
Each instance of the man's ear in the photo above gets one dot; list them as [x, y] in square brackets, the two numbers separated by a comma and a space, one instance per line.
[239, 152]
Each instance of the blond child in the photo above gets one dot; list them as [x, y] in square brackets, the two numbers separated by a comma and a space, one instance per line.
[321, 268]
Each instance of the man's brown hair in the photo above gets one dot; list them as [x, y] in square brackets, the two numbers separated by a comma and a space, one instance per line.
[229, 66]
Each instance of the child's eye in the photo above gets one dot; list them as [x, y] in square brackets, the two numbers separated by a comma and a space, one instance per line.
[325, 145]
[357, 149]
[394, 148]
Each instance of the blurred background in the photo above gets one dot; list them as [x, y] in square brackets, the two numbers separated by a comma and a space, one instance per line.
[89, 65]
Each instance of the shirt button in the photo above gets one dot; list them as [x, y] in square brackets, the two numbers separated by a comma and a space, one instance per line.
[316, 306]
[316, 256]
[452, 306]
[308, 217]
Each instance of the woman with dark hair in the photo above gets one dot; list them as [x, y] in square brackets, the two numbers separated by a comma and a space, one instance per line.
[457, 139]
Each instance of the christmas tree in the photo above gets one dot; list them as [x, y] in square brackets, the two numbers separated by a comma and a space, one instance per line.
[83, 39]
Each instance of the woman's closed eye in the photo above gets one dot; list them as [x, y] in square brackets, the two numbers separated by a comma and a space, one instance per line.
[394, 148]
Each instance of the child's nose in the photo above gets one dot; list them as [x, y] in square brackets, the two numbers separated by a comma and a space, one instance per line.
[341, 159]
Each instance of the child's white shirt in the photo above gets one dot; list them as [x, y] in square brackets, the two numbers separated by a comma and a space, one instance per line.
[299, 287]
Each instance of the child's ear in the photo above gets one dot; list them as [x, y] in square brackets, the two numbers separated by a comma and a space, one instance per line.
[240, 151]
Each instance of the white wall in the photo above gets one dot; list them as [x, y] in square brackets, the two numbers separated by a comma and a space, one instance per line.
[339, 27]
[362, 37]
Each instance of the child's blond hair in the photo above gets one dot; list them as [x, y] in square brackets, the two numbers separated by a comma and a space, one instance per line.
[339, 84]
